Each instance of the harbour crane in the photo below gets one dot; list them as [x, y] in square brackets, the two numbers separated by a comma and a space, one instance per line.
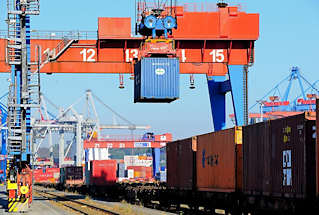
[23, 96]
[280, 101]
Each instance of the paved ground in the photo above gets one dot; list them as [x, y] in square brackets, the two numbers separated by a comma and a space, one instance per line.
[39, 206]
[135, 208]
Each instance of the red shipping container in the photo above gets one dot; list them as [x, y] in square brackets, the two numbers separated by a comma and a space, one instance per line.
[49, 175]
[103, 172]
[181, 163]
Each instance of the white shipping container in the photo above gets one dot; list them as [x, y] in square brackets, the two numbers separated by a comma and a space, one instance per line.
[135, 161]
[90, 154]
[146, 163]
[130, 173]
[130, 160]
[98, 154]
[104, 154]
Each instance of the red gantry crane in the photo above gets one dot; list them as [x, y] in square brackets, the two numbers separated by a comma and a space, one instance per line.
[217, 43]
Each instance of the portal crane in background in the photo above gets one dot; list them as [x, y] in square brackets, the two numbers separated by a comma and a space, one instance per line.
[83, 126]
[278, 103]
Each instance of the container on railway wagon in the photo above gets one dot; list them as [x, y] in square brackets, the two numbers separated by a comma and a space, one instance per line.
[103, 172]
[72, 175]
[156, 79]
[53, 175]
[46, 176]
[181, 163]
[280, 158]
[219, 161]
[38, 176]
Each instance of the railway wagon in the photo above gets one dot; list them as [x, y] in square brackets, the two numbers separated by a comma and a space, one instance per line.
[280, 164]
[102, 178]
[205, 170]
[181, 171]
[219, 169]
[71, 177]
[265, 167]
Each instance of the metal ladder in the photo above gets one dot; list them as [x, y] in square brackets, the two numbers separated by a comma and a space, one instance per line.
[34, 84]
[17, 130]
[14, 123]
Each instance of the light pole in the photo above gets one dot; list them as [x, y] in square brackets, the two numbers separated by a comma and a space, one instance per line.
[261, 105]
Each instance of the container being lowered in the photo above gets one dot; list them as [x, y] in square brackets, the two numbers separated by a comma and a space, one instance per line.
[156, 80]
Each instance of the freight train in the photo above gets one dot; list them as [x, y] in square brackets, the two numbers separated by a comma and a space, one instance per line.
[269, 167]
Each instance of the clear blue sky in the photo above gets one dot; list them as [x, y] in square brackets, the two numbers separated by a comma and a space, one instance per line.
[289, 32]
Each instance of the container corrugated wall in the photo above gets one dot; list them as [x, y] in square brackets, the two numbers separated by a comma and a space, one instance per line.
[181, 164]
[217, 166]
[156, 80]
[279, 158]
[103, 172]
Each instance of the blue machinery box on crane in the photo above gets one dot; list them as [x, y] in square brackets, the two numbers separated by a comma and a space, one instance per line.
[156, 80]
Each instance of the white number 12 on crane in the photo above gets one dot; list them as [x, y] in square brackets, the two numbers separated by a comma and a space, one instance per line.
[88, 55]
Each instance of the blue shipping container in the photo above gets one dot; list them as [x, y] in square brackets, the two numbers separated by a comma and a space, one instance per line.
[156, 80]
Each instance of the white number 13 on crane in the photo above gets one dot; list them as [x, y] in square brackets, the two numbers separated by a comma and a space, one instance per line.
[218, 55]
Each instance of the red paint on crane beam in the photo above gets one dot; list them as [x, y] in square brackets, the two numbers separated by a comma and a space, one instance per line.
[271, 104]
[116, 144]
[306, 102]
[206, 42]
[114, 27]
[226, 23]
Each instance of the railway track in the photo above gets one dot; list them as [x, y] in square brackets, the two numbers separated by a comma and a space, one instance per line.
[74, 205]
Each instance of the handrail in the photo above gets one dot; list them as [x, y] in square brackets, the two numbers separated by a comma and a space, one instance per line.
[58, 35]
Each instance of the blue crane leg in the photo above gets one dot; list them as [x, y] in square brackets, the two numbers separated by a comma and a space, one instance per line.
[3, 163]
[237, 79]
[156, 154]
[217, 101]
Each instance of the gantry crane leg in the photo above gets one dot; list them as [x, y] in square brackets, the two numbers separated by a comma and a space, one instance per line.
[218, 86]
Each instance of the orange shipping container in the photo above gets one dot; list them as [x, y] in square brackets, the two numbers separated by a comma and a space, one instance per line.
[219, 161]
[141, 171]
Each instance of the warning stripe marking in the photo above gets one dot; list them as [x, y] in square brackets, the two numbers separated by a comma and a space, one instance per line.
[15, 205]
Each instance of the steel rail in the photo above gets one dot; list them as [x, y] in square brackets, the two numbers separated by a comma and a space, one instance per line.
[81, 204]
